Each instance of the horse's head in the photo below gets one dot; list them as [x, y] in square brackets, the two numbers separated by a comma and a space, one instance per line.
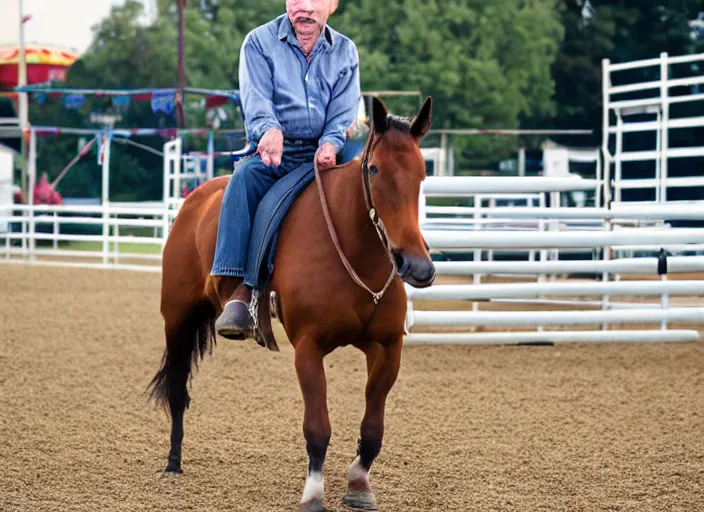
[393, 169]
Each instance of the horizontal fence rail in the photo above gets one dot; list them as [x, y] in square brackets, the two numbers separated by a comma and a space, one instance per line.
[649, 266]
[672, 211]
[552, 318]
[552, 337]
[547, 240]
[575, 289]
[459, 186]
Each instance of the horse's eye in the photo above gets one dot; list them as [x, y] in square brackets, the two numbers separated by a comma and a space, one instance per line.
[373, 169]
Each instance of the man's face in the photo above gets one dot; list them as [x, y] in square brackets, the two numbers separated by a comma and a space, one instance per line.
[309, 17]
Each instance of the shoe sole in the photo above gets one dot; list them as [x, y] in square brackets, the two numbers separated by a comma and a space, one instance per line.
[233, 333]
[231, 327]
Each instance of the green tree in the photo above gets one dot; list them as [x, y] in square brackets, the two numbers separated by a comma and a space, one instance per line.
[620, 30]
[485, 62]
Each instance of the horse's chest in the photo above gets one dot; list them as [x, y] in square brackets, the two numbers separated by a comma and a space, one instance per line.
[342, 316]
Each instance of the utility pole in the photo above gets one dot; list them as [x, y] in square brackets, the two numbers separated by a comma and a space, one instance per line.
[181, 71]
[23, 103]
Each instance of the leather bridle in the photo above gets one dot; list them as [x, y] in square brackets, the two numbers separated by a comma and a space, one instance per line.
[373, 215]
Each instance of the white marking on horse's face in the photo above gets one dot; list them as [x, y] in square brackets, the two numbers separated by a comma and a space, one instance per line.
[357, 473]
[313, 490]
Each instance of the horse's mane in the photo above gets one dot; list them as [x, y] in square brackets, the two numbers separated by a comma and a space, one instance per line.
[394, 122]
[401, 124]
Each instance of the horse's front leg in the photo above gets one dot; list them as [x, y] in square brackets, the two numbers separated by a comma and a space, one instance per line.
[316, 424]
[383, 363]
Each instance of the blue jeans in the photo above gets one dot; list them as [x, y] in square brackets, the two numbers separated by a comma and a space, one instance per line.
[351, 150]
[249, 183]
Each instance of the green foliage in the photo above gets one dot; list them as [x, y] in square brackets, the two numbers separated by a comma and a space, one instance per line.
[620, 30]
[487, 63]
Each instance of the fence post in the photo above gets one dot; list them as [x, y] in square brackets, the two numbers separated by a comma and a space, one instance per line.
[605, 86]
[56, 231]
[105, 161]
[32, 170]
[664, 124]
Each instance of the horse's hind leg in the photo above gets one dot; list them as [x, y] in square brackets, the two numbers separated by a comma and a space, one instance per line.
[188, 336]
[383, 363]
[316, 424]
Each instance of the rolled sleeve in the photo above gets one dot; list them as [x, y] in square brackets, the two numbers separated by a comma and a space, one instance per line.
[344, 103]
[256, 89]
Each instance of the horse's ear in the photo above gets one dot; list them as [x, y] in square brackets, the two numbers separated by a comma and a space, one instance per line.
[421, 123]
[380, 122]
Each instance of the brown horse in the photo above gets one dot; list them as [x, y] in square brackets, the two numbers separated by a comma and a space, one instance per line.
[328, 236]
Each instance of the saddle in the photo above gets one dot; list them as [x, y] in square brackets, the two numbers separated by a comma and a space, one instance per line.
[264, 237]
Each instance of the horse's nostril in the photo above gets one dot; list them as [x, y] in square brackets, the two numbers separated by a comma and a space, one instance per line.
[416, 271]
[398, 259]
[402, 263]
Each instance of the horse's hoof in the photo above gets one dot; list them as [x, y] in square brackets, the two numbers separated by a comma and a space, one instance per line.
[235, 322]
[173, 468]
[311, 506]
[355, 500]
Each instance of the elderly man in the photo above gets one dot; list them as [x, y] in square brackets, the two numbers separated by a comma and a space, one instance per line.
[299, 86]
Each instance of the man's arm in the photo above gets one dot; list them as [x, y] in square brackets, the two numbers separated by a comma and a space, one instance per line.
[256, 90]
[343, 106]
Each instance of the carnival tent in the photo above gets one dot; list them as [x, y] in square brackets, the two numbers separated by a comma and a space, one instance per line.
[44, 64]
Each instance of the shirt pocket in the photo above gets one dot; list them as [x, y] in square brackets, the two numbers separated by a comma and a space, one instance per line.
[325, 84]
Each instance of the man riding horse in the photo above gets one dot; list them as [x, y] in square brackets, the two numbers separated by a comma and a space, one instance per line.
[299, 86]
[300, 90]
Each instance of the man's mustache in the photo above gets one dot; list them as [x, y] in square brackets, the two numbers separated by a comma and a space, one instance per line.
[304, 19]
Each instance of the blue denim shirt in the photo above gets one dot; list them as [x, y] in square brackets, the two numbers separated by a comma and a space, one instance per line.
[280, 89]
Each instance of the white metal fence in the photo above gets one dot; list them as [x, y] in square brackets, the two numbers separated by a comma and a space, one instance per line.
[633, 228]
[653, 100]
[39, 237]
[504, 228]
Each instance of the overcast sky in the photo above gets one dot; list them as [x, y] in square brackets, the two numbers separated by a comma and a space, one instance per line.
[58, 22]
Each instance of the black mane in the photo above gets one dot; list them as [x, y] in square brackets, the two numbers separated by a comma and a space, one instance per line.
[401, 124]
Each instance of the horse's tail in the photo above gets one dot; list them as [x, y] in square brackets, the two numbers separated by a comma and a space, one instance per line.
[187, 341]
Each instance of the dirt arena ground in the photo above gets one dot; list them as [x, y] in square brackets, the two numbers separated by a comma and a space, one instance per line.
[564, 428]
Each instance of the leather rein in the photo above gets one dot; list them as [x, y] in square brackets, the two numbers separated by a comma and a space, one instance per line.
[373, 215]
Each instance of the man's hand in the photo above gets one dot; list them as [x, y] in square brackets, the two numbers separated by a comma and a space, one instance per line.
[271, 147]
[326, 156]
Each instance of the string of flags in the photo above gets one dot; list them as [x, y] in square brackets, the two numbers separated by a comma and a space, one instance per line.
[161, 100]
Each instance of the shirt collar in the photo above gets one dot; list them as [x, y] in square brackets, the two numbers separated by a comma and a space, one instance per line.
[286, 32]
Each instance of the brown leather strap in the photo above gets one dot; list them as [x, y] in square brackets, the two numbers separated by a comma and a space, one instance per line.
[376, 296]
[365, 175]
[373, 214]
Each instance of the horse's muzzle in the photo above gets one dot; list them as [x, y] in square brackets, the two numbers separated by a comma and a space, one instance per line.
[418, 272]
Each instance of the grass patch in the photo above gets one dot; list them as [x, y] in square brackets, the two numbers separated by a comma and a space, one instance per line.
[124, 247]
